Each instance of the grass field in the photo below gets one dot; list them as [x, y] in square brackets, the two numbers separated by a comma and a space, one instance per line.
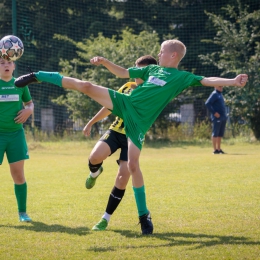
[203, 206]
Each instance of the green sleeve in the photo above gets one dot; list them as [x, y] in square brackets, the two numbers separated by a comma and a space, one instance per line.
[135, 72]
[197, 80]
[26, 95]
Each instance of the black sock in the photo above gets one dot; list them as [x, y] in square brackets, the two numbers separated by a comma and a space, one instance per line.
[115, 198]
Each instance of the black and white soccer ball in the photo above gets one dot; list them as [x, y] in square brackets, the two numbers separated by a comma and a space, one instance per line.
[11, 48]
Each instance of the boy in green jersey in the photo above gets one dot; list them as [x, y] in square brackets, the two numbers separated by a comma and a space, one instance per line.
[139, 110]
[112, 140]
[12, 138]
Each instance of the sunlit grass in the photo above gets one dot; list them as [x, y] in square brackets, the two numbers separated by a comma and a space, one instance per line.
[203, 206]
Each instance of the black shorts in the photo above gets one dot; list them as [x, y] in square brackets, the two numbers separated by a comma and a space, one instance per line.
[116, 141]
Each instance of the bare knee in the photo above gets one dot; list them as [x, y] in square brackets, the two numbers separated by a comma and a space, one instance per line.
[85, 86]
[18, 177]
[133, 166]
[94, 158]
[17, 172]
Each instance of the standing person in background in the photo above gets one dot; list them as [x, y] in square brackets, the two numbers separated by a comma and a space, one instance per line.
[216, 105]
[15, 108]
[110, 142]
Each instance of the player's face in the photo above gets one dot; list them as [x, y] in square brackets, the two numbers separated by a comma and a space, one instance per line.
[6, 69]
[219, 88]
[165, 56]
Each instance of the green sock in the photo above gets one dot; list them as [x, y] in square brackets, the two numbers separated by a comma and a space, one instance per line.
[140, 200]
[51, 77]
[21, 196]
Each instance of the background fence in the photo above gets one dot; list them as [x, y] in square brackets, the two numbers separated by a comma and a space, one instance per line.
[63, 35]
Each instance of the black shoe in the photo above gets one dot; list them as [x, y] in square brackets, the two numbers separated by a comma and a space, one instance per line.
[221, 152]
[25, 80]
[216, 152]
[146, 224]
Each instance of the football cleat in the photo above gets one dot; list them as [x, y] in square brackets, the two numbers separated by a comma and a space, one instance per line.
[26, 80]
[91, 181]
[23, 217]
[101, 225]
[146, 224]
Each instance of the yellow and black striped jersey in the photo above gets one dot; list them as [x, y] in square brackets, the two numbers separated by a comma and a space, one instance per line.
[118, 124]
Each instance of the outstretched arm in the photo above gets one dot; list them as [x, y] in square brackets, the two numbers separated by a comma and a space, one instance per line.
[113, 68]
[103, 112]
[239, 81]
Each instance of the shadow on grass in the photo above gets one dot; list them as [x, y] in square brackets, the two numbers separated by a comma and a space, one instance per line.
[54, 228]
[234, 154]
[170, 239]
[158, 144]
[195, 241]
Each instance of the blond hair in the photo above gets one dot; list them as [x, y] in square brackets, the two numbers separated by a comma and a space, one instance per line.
[176, 46]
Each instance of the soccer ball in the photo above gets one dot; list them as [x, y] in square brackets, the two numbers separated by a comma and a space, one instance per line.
[11, 48]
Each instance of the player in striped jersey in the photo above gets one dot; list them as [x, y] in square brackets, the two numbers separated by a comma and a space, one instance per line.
[113, 139]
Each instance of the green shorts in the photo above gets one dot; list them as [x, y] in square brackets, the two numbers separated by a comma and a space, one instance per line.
[123, 108]
[14, 145]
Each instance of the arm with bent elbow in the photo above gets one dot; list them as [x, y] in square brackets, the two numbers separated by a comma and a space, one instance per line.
[113, 68]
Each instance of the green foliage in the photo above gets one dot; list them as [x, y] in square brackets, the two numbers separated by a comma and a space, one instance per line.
[238, 35]
[41, 23]
[123, 51]
[202, 130]
[179, 132]
[35, 135]
[5, 17]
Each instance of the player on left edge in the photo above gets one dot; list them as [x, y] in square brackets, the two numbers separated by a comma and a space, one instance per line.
[16, 106]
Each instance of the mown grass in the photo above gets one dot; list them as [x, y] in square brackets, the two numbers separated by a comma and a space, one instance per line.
[203, 206]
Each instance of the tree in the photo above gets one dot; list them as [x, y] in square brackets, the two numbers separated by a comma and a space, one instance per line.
[238, 35]
[123, 52]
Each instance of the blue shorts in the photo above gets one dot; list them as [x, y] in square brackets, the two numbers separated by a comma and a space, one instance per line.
[218, 127]
[116, 141]
[14, 145]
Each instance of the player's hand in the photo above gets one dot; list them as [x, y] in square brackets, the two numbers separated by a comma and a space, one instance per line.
[23, 115]
[241, 80]
[217, 115]
[98, 60]
[87, 129]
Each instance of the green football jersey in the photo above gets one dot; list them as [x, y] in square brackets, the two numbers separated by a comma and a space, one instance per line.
[160, 86]
[11, 101]
[118, 124]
